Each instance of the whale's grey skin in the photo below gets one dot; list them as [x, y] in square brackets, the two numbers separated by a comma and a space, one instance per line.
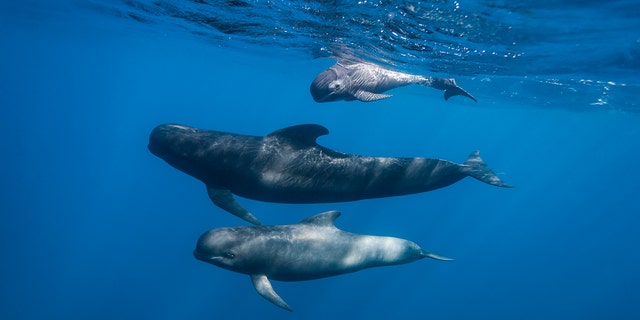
[288, 166]
[367, 82]
[311, 249]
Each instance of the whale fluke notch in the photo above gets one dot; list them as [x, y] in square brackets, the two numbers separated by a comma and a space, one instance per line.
[301, 136]
[325, 219]
[263, 286]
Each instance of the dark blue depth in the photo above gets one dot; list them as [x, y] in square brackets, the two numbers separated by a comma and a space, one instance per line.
[95, 226]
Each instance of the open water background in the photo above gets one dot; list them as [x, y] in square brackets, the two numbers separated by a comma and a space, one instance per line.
[95, 226]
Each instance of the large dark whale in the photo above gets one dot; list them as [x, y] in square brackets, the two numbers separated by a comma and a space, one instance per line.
[288, 166]
[366, 82]
[311, 249]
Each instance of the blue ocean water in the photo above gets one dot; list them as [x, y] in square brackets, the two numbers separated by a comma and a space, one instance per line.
[95, 226]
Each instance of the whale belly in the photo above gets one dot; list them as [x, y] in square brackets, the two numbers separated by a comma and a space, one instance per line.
[317, 254]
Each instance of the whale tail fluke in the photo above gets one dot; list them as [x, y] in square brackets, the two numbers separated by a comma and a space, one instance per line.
[435, 256]
[475, 167]
[450, 88]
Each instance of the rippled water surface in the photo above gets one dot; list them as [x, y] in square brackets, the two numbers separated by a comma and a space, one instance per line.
[584, 51]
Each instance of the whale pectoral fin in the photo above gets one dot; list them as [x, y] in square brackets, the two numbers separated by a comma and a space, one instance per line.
[224, 199]
[264, 288]
[367, 96]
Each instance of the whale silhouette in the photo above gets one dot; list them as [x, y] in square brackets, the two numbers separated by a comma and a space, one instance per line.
[367, 82]
[311, 249]
[288, 166]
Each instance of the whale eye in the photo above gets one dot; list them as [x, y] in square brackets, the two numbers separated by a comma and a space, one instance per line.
[229, 255]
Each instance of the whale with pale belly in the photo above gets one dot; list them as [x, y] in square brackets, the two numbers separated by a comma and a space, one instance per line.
[311, 249]
[365, 81]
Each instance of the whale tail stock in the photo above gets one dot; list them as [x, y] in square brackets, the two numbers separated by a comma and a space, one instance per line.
[475, 167]
[450, 88]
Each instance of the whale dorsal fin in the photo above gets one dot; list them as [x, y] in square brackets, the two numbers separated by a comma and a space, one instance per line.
[325, 219]
[302, 136]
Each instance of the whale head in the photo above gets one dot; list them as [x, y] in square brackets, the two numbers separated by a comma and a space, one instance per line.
[329, 86]
[178, 145]
[228, 248]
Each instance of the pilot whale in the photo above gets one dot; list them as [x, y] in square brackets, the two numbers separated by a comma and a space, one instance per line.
[366, 82]
[288, 166]
[311, 249]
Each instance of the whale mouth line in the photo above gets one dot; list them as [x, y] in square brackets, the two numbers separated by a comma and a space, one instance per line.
[201, 256]
[154, 149]
[206, 257]
[324, 98]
